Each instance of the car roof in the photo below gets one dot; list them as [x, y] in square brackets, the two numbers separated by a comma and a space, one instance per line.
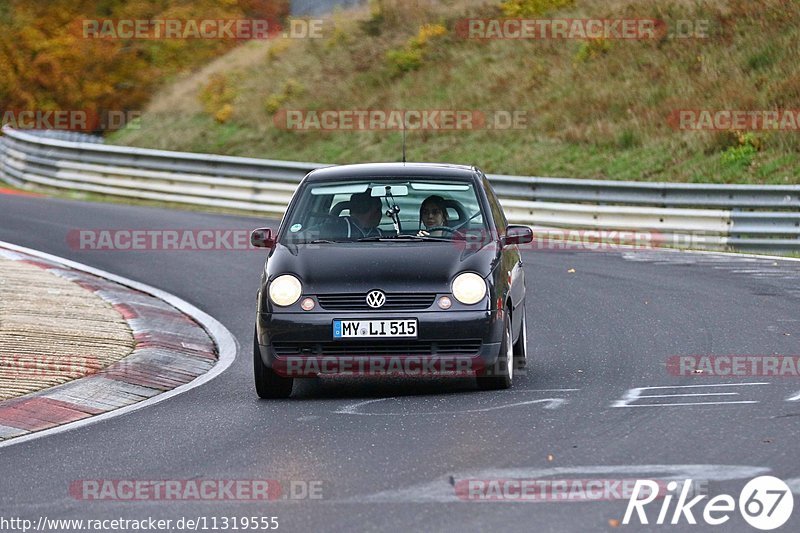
[368, 170]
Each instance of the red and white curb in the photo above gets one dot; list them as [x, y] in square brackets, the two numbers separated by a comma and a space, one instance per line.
[178, 347]
[15, 192]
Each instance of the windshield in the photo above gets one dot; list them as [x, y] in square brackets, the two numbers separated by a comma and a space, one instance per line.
[377, 209]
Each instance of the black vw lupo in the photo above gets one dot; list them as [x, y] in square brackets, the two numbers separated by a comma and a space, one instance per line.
[356, 282]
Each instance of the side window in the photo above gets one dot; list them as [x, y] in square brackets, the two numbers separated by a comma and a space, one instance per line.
[316, 213]
[494, 204]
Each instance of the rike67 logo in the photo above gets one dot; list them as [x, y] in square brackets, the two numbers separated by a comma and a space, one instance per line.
[765, 503]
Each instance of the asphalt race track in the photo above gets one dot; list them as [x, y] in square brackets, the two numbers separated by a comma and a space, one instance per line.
[388, 452]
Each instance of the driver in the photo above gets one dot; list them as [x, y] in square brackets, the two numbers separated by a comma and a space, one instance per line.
[365, 215]
[433, 213]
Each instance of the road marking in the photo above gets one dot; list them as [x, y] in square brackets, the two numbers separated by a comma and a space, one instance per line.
[351, 409]
[794, 398]
[224, 339]
[539, 390]
[691, 394]
[684, 404]
[354, 408]
[442, 489]
[632, 395]
[709, 385]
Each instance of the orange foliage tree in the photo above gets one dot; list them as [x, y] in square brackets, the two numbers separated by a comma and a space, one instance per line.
[47, 63]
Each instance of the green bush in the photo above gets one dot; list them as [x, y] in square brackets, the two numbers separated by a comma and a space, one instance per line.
[404, 60]
[373, 26]
[530, 8]
[739, 156]
[217, 97]
[591, 49]
[762, 59]
[627, 139]
[292, 87]
[742, 156]
[273, 103]
[411, 55]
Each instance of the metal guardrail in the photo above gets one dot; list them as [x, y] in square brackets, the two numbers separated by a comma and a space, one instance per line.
[240, 183]
[651, 194]
[739, 217]
[62, 135]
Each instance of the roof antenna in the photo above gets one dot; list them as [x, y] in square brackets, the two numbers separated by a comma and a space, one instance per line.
[404, 138]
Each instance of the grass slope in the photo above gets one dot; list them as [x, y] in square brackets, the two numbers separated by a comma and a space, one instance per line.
[597, 109]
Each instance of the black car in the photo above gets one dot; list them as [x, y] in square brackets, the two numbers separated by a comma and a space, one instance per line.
[391, 267]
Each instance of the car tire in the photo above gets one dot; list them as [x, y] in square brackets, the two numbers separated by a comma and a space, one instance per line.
[269, 385]
[500, 375]
[521, 346]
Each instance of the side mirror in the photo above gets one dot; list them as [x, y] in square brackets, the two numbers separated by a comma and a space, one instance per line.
[516, 234]
[262, 238]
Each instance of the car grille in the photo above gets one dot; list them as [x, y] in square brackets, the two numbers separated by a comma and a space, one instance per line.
[394, 347]
[358, 301]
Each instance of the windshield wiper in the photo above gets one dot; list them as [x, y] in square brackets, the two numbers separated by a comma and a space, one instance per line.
[403, 238]
[425, 238]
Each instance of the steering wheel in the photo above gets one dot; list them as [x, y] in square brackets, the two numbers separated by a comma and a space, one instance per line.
[445, 228]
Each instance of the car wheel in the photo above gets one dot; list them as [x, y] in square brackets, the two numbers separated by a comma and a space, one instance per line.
[521, 346]
[269, 384]
[500, 375]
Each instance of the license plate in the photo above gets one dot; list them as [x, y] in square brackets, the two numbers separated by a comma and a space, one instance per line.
[347, 329]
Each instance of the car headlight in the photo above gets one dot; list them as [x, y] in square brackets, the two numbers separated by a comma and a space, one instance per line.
[469, 288]
[285, 290]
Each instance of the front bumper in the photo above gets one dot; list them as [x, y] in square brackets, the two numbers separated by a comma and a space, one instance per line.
[302, 344]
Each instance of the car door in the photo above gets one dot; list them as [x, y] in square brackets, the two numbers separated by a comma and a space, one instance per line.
[511, 259]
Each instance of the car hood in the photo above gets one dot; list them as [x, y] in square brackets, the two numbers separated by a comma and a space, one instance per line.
[392, 266]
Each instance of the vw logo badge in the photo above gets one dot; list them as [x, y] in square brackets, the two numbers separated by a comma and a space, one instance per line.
[376, 299]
